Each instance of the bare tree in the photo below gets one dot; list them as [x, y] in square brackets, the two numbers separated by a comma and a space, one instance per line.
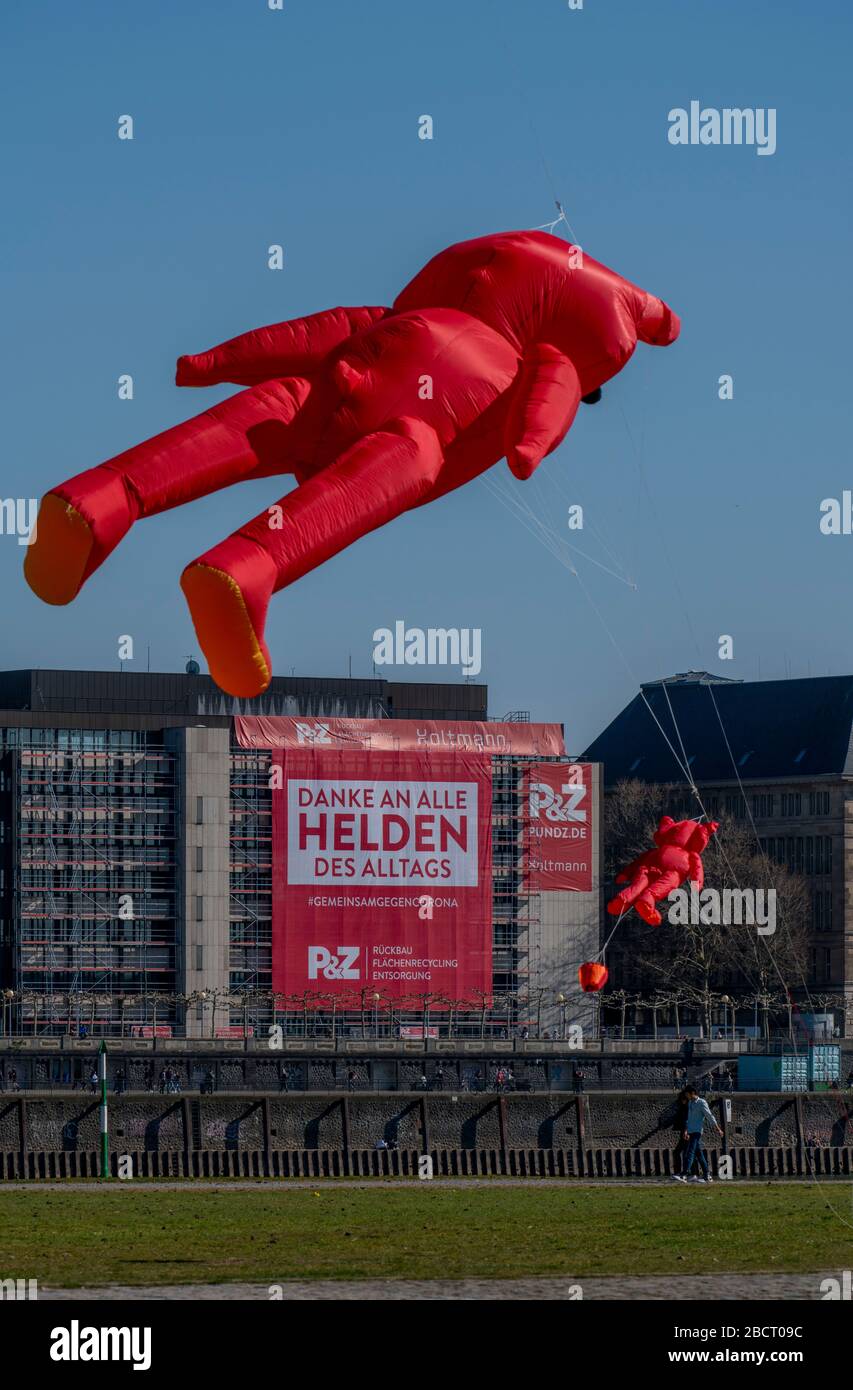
[695, 960]
[768, 961]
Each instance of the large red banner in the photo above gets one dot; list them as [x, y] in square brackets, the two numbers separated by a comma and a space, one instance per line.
[400, 735]
[558, 831]
[381, 874]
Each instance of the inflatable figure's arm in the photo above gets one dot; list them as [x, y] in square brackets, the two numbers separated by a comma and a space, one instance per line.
[293, 348]
[543, 407]
[696, 872]
[657, 324]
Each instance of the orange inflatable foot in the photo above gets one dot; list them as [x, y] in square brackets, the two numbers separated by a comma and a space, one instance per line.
[56, 560]
[230, 634]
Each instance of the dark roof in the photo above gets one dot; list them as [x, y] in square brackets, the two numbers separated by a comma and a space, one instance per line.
[692, 678]
[776, 729]
[181, 695]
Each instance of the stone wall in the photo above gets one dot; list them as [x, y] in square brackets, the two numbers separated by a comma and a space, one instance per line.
[51, 1122]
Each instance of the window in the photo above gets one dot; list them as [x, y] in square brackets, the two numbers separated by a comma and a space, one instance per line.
[792, 804]
[199, 859]
[736, 806]
[762, 805]
[199, 810]
[199, 957]
[818, 803]
[823, 911]
[199, 909]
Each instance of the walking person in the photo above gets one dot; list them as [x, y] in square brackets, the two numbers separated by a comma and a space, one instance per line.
[680, 1127]
[698, 1111]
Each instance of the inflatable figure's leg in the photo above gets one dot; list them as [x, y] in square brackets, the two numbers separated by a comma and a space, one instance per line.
[82, 521]
[660, 888]
[628, 895]
[645, 906]
[229, 588]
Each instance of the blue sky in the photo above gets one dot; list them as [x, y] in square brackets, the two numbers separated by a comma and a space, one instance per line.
[299, 127]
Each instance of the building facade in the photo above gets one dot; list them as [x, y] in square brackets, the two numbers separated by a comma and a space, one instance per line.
[136, 865]
[776, 756]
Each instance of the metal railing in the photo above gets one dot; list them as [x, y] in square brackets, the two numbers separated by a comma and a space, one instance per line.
[582, 1164]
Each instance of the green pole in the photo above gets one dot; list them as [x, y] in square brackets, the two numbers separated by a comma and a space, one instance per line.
[105, 1141]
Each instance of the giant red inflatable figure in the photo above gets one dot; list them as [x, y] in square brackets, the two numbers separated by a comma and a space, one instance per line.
[485, 354]
[653, 875]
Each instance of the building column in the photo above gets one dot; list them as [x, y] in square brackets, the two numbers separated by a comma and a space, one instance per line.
[846, 971]
[568, 932]
[202, 849]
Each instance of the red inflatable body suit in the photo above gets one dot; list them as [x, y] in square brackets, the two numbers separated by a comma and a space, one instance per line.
[652, 876]
[485, 354]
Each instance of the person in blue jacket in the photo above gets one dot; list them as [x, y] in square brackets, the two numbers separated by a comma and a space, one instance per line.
[698, 1111]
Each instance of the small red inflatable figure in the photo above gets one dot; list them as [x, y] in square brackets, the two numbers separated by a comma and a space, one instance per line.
[653, 875]
[593, 976]
[486, 354]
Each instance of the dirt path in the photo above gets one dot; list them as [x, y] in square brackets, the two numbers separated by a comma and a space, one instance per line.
[710, 1288]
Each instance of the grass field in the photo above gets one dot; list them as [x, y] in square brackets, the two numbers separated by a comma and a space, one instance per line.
[217, 1235]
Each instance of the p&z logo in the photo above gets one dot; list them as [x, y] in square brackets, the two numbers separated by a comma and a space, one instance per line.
[313, 733]
[340, 967]
[545, 800]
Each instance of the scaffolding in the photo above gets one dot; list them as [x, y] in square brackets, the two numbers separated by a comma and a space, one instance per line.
[94, 879]
[250, 929]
